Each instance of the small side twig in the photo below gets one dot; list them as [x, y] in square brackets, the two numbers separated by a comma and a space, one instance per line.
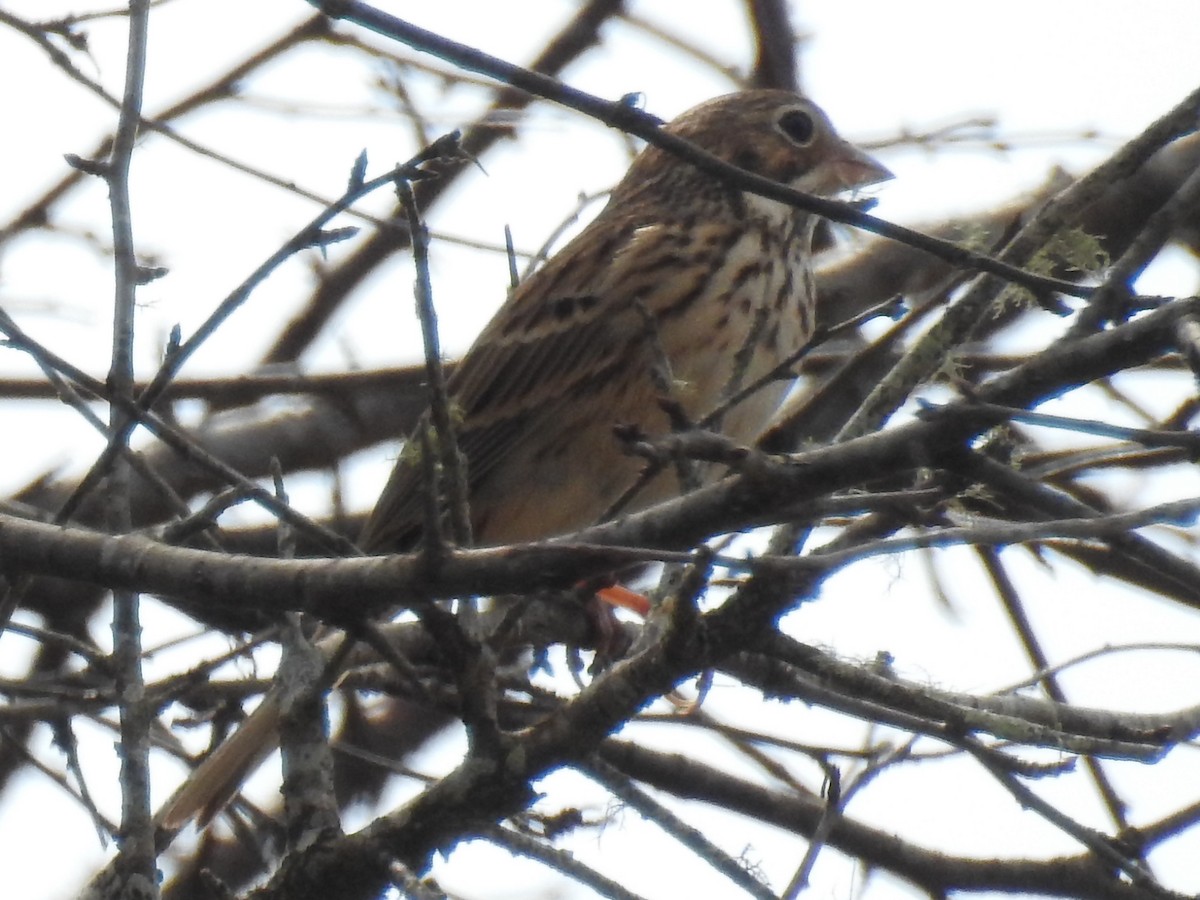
[454, 479]
[627, 792]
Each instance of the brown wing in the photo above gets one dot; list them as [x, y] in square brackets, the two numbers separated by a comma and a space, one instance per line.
[563, 327]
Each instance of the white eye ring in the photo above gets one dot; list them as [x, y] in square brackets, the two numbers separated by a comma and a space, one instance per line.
[799, 126]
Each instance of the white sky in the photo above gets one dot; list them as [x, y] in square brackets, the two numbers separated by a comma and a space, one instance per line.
[1044, 69]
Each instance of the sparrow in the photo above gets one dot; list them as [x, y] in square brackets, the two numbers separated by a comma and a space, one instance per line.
[682, 289]
[678, 267]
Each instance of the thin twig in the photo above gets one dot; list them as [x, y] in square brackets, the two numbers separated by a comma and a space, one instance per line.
[312, 234]
[689, 836]
[137, 868]
[633, 121]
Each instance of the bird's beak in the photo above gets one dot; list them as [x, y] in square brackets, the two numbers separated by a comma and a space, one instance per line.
[851, 168]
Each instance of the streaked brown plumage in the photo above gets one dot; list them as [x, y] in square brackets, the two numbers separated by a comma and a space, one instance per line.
[568, 356]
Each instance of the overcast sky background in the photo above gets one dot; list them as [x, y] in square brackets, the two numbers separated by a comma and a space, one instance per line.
[1049, 72]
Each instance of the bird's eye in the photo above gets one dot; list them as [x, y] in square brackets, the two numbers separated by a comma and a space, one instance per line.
[798, 125]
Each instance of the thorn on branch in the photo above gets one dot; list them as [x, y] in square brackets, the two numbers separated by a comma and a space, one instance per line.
[174, 340]
[99, 168]
[321, 238]
[447, 148]
[358, 173]
[148, 274]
